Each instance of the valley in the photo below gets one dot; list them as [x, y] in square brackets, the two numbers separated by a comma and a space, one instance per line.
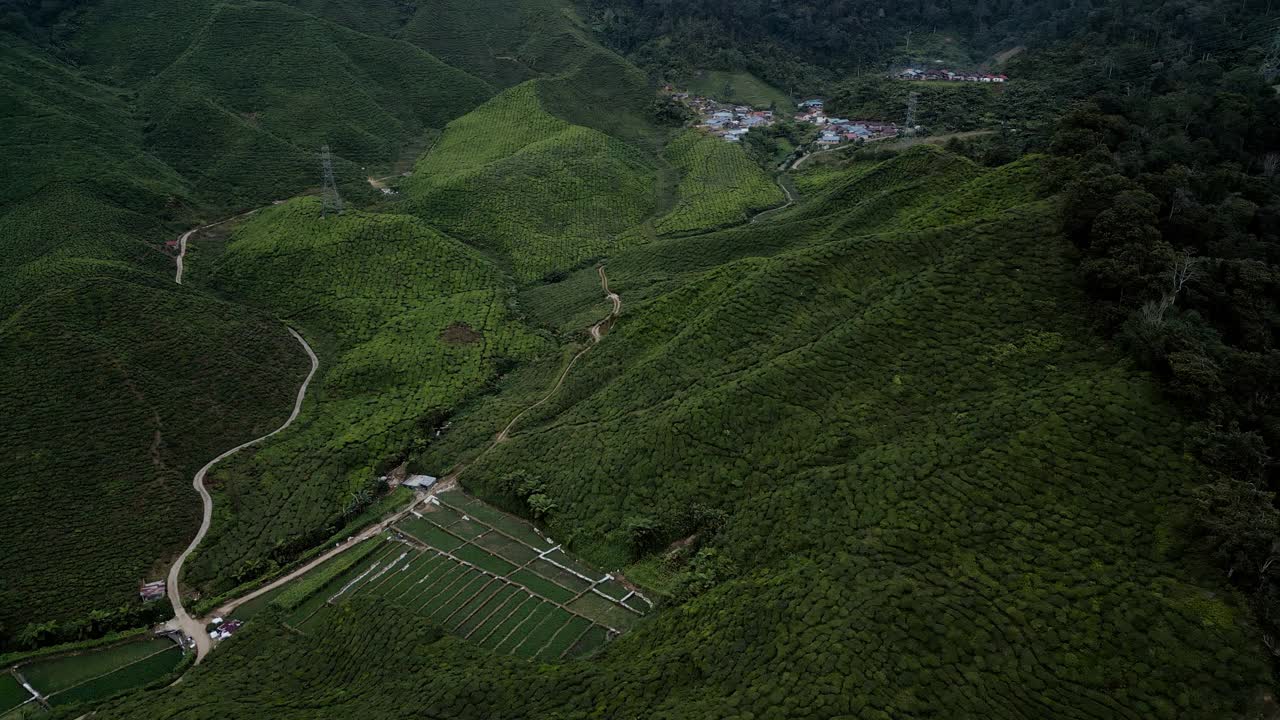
[594, 398]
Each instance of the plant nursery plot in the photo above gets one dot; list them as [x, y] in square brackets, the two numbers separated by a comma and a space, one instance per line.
[484, 560]
[559, 576]
[55, 674]
[496, 606]
[604, 612]
[541, 586]
[135, 674]
[564, 638]
[12, 694]
[493, 631]
[541, 614]
[430, 534]
[506, 523]
[593, 639]
[506, 548]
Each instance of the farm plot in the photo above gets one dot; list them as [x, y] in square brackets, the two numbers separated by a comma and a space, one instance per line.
[483, 575]
[99, 673]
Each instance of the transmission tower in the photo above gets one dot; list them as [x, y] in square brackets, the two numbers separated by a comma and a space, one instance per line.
[912, 100]
[332, 201]
[1271, 63]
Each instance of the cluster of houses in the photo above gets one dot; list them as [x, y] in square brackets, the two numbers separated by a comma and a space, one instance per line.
[841, 130]
[730, 122]
[950, 76]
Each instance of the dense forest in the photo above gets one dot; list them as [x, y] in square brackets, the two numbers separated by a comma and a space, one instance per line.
[1173, 196]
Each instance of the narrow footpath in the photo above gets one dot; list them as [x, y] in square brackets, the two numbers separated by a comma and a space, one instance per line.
[596, 331]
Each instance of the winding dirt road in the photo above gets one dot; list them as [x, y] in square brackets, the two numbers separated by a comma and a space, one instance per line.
[182, 241]
[192, 627]
[791, 200]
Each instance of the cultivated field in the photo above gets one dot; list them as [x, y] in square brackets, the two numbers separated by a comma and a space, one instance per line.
[86, 676]
[485, 576]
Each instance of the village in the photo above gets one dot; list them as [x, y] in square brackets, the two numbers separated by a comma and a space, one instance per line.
[945, 75]
[733, 122]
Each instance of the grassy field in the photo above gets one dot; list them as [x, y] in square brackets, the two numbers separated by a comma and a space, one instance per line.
[719, 185]
[12, 694]
[744, 88]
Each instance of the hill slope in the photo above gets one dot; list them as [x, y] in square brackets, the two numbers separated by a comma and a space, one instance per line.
[906, 479]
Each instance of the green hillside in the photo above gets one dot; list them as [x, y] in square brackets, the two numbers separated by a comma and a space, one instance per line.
[719, 185]
[118, 385]
[911, 480]
[407, 322]
[533, 189]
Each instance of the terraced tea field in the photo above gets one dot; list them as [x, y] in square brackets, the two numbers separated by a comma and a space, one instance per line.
[488, 577]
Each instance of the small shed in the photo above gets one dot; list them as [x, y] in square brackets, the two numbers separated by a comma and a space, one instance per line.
[420, 482]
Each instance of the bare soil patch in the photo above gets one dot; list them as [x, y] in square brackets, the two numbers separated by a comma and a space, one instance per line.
[460, 333]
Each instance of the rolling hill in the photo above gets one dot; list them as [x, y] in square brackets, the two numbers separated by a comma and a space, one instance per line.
[891, 471]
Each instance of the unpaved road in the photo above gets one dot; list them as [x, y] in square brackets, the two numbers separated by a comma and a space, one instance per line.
[896, 143]
[192, 627]
[373, 530]
[791, 200]
[182, 241]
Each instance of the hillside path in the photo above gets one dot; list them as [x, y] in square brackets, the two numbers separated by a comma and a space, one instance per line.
[791, 200]
[596, 331]
[192, 627]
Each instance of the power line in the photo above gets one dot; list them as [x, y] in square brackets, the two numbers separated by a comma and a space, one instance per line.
[332, 201]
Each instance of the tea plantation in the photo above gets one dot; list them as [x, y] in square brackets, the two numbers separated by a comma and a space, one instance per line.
[904, 477]
[407, 322]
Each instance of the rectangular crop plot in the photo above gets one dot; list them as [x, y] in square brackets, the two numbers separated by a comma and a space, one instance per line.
[504, 547]
[521, 632]
[540, 585]
[134, 674]
[449, 594]
[473, 602]
[12, 694]
[564, 638]
[604, 612]
[497, 627]
[561, 557]
[498, 605]
[51, 676]
[542, 633]
[592, 640]
[560, 576]
[431, 534]
[516, 528]
[468, 528]
[484, 560]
